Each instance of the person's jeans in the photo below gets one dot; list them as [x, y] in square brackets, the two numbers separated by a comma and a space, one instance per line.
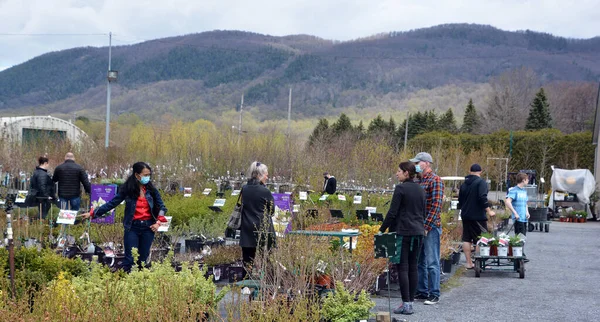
[429, 264]
[141, 237]
[69, 203]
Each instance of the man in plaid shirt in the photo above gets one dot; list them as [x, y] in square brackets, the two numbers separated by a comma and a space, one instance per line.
[428, 288]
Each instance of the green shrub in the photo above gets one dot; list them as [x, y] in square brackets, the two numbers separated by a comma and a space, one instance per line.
[159, 293]
[344, 306]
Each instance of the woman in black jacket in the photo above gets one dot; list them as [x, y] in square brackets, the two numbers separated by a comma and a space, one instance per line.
[257, 210]
[406, 218]
[42, 185]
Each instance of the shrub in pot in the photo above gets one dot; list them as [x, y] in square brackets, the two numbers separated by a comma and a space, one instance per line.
[342, 305]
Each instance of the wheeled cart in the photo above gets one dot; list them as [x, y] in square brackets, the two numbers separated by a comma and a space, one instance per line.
[541, 225]
[500, 263]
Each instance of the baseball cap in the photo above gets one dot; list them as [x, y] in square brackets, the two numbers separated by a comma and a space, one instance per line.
[422, 156]
[475, 167]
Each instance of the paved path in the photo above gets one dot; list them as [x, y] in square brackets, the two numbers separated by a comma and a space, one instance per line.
[562, 283]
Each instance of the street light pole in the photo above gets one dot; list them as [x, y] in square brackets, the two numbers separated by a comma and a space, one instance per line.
[107, 134]
[406, 132]
[240, 123]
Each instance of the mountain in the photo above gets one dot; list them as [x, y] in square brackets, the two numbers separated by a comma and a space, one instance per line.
[199, 74]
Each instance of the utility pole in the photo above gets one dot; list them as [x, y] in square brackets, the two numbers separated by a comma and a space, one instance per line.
[11, 247]
[107, 134]
[289, 113]
[240, 124]
[406, 131]
[289, 133]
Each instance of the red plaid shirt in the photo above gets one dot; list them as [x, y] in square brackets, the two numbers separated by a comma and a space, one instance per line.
[434, 191]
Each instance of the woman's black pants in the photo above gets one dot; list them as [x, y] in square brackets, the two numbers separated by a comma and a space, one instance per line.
[408, 276]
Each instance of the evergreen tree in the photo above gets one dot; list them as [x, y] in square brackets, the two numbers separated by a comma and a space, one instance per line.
[447, 122]
[377, 125]
[471, 120]
[539, 114]
[431, 122]
[342, 125]
[320, 133]
[391, 126]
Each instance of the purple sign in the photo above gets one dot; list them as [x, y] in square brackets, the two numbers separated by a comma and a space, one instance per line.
[284, 202]
[102, 194]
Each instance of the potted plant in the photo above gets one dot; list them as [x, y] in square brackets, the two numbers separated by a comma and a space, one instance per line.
[220, 260]
[483, 243]
[516, 246]
[343, 305]
[446, 251]
[572, 216]
[503, 245]
[493, 243]
[581, 215]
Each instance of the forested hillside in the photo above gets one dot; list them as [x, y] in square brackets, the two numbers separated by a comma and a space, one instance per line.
[203, 75]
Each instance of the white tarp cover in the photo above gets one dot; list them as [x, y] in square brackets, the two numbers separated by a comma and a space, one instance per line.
[580, 182]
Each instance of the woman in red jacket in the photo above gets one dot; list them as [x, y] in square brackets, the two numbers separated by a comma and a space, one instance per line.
[144, 209]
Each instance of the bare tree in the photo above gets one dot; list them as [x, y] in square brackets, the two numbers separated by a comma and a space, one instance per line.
[508, 104]
[572, 105]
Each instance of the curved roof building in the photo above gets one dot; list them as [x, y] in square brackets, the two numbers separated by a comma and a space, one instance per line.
[29, 128]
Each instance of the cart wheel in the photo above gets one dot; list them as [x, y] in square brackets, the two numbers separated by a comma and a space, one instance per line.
[530, 227]
[547, 228]
[541, 227]
[477, 268]
[521, 269]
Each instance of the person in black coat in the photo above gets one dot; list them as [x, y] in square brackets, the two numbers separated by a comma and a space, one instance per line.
[330, 184]
[70, 176]
[406, 217]
[473, 204]
[41, 183]
[258, 207]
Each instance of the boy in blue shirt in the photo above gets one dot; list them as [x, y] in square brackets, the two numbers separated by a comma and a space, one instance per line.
[516, 202]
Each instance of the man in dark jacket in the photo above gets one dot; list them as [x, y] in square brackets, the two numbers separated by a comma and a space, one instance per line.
[42, 184]
[70, 176]
[473, 203]
[330, 184]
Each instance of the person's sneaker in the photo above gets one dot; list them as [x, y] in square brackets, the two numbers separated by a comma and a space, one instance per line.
[432, 300]
[408, 309]
[421, 297]
[404, 309]
[399, 309]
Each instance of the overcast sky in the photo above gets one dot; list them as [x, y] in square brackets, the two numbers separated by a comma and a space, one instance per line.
[137, 20]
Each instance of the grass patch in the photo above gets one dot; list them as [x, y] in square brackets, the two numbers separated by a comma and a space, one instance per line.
[453, 281]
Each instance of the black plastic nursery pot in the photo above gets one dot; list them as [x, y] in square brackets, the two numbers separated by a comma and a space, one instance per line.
[194, 245]
[224, 270]
[455, 258]
[447, 265]
[235, 273]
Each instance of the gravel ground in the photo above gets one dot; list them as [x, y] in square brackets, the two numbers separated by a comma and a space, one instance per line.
[562, 283]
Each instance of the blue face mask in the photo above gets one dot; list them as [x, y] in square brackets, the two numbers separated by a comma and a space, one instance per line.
[145, 180]
[418, 168]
